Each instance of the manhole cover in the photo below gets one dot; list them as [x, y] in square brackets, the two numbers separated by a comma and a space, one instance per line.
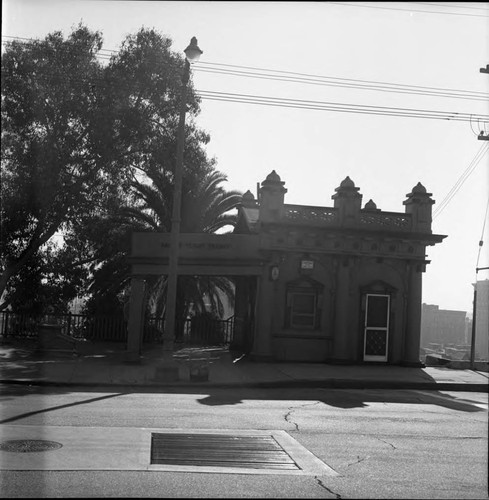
[217, 450]
[29, 445]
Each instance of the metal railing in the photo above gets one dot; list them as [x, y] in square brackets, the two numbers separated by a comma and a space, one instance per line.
[113, 328]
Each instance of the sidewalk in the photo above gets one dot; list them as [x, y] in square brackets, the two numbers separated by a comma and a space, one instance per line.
[99, 365]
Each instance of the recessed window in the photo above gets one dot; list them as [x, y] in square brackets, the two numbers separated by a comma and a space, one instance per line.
[303, 310]
[304, 298]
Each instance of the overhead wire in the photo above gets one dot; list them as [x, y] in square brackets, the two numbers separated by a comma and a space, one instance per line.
[461, 180]
[326, 106]
[103, 54]
[31, 40]
[334, 106]
[346, 80]
[362, 5]
[481, 129]
[209, 67]
[347, 83]
[272, 74]
[452, 4]
[94, 83]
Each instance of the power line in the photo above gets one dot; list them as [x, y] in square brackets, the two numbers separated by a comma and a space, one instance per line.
[102, 54]
[481, 131]
[348, 80]
[452, 4]
[318, 79]
[303, 104]
[350, 83]
[32, 40]
[361, 5]
[460, 181]
[332, 106]
[464, 176]
[95, 83]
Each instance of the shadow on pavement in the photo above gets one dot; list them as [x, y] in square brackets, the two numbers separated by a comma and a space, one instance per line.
[338, 398]
[353, 393]
[58, 407]
[341, 398]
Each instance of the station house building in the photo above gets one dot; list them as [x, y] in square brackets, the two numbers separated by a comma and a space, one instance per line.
[338, 284]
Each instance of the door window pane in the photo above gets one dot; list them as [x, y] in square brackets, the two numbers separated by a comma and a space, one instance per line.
[376, 343]
[377, 311]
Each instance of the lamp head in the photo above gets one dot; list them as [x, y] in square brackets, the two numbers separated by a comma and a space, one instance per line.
[193, 52]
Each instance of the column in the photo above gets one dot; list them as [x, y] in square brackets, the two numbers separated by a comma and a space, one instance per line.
[240, 309]
[262, 346]
[413, 317]
[135, 321]
[341, 311]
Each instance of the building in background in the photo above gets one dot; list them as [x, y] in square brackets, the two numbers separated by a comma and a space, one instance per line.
[444, 332]
[482, 321]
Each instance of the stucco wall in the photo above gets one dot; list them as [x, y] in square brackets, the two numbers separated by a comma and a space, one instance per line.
[340, 333]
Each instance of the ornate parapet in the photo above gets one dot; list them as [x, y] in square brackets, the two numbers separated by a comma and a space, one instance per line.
[385, 221]
[401, 233]
[272, 194]
[310, 215]
[348, 202]
[419, 204]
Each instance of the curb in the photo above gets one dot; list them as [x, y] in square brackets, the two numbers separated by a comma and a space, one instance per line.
[291, 384]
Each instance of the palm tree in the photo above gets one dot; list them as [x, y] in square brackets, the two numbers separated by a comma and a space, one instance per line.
[206, 208]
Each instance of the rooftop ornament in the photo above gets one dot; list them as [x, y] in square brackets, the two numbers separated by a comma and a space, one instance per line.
[371, 206]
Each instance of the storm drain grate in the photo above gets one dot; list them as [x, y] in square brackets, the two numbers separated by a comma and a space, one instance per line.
[217, 450]
[29, 445]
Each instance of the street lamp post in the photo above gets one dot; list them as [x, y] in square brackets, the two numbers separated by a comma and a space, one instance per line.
[192, 54]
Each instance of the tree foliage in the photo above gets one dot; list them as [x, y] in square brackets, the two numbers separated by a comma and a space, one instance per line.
[88, 152]
[55, 166]
[206, 208]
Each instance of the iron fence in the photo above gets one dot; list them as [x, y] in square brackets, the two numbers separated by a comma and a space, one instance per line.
[113, 328]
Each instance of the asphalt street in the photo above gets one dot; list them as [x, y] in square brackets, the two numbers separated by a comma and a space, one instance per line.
[373, 443]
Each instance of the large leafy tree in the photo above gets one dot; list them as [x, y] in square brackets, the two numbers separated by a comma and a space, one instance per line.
[57, 164]
[145, 82]
[88, 151]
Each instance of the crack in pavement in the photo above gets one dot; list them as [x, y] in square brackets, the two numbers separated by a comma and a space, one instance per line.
[386, 442]
[359, 460]
[294, 408]
[337, 495]
[286, 418]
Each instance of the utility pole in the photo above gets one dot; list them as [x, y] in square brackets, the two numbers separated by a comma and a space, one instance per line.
[483, 136]
[474, 316]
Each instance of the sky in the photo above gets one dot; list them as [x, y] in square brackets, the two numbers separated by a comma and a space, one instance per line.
[430, 47]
